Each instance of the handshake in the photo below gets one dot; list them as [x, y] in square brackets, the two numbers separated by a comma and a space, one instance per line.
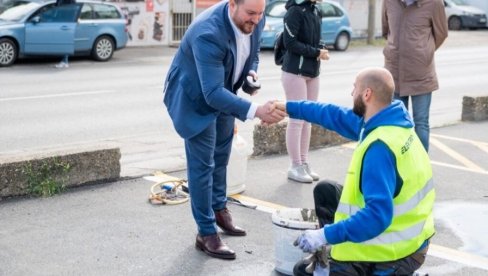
[271, 112]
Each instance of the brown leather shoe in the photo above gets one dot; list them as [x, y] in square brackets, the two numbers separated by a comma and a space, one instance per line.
[214, 247]
[224, 221]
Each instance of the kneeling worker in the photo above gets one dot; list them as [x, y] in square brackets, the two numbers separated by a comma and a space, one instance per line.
[381, 220]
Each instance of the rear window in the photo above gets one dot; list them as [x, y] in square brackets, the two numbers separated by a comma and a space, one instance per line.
[86, 12]
[329, 10]
[101, 11]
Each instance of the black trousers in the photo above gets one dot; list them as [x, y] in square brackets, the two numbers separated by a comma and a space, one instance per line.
[326, 198]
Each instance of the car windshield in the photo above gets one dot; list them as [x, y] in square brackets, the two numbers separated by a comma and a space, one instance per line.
[459, 2]
[18, 12]
[276, 9]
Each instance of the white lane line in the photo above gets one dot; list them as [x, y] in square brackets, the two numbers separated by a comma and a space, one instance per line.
[463, 160]
[57, 95]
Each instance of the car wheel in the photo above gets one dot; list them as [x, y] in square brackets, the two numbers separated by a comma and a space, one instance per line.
[8, 52]
[103, 48]
[455, 23]
[342, 41]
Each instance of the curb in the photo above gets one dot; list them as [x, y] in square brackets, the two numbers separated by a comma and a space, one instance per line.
[68, 167]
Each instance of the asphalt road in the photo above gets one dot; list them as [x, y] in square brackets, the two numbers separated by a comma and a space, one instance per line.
[120, 102]
[111, 229]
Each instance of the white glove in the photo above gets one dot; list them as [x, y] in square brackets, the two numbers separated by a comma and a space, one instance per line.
[310, 240]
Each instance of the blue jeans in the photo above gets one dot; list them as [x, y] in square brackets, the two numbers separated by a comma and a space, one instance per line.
[420, 110]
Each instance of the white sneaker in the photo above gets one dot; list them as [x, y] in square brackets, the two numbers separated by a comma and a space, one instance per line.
[62, 64]
[299, 174]
[314, 176]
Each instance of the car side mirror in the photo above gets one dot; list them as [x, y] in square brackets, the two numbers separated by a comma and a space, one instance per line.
[36, 19]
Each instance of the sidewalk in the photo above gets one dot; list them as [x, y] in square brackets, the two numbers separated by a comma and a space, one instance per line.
[111, 229]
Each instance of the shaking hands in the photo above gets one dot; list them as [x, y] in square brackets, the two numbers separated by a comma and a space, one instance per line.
[271, 112]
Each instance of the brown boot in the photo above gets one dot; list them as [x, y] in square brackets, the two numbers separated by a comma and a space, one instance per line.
[213, 246]
[224, 221]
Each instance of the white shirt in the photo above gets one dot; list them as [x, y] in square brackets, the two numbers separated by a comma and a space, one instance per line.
[243, 45]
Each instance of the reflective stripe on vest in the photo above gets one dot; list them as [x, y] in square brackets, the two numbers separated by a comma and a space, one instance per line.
[398, 209]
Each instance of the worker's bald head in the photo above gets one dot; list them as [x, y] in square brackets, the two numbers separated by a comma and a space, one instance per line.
[380, 81]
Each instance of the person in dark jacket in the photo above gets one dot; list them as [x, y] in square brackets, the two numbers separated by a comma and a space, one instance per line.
[300, 78]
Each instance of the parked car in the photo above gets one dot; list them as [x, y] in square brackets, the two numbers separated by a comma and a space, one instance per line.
[38, 28]
[336, 28]
[461, 15]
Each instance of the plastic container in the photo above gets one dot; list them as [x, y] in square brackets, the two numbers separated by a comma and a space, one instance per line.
[288, 224]
[237, 167]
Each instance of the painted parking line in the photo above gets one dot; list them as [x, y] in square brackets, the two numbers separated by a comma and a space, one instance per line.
[481, 145]
[261, 205]
[437, 251]
[467, 165]
[461, 168]
[458, 256]
[269, 207]
[456, 155]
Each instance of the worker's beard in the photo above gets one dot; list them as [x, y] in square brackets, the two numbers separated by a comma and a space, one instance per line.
[359, 107]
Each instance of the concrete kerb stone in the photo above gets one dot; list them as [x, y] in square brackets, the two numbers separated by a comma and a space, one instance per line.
[272, 139]
[474, 108]
[87, 165]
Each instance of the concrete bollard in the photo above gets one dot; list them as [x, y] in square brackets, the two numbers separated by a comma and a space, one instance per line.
[474, 109]
[272, 139]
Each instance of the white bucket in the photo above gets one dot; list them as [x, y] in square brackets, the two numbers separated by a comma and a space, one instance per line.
[288, 224]
[237, 167]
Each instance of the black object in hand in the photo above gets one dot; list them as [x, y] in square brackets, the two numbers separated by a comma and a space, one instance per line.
[250, 85]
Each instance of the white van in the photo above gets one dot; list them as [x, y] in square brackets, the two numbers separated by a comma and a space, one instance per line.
[461, 15]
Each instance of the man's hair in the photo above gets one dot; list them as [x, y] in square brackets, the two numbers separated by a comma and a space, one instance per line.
[381, 82]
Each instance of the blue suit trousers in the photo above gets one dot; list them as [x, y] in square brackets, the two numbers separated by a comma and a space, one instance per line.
[207, 156]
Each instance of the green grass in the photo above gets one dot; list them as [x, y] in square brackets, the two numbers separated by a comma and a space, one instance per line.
[46, 178]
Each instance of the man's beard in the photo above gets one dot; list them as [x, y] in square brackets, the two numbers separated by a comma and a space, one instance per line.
[246, 27]
[359, 107]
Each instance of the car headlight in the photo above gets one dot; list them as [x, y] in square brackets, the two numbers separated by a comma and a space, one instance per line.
[468, 13]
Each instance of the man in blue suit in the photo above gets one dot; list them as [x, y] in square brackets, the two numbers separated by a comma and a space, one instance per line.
[218, 51]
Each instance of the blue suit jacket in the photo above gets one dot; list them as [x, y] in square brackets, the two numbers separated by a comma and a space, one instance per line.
[199, 86]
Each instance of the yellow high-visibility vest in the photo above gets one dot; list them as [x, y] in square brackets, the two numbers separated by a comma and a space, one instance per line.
[413, 220]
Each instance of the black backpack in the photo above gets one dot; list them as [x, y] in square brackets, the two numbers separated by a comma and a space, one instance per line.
[279, 49]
